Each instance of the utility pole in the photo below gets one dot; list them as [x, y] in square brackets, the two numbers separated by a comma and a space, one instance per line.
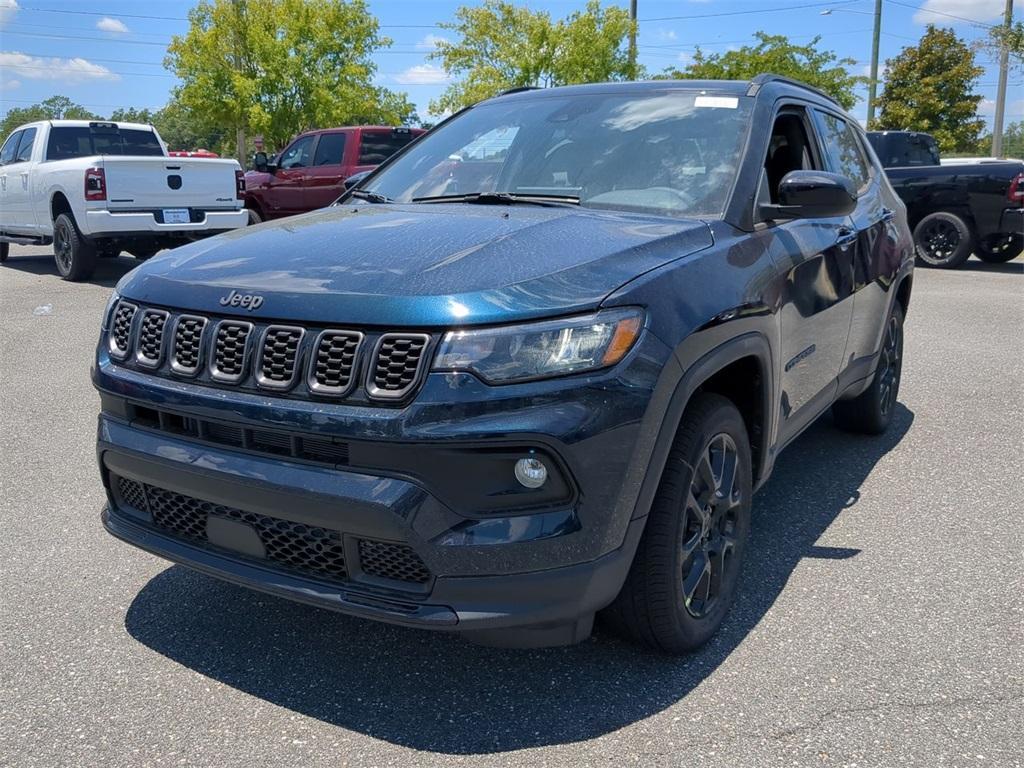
[873, 85]
[632, 38]
[1004, 54]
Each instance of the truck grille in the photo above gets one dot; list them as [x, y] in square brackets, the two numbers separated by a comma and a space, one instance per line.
[229, 351]
[279, 356]
[121, 330]
[286, 360]
[397, 364]
[150, 350]
[307, 549]
[188, 339]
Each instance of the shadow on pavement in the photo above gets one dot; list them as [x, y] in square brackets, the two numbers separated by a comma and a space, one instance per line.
[108, 271]
[1015, 267]
[435, 692]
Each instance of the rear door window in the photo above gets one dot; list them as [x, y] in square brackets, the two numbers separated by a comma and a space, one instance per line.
[10, 148]
[378, 146]
[330, 149]
[28, 138]
[844, 152]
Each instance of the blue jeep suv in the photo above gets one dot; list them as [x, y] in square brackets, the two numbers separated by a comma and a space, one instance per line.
[531, 368]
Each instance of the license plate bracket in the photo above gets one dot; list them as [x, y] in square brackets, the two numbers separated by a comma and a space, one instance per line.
[176, 216]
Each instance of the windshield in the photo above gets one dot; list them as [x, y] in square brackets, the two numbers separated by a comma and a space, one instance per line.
[669, 152]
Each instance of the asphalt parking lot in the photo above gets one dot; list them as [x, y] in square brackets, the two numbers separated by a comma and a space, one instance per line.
[881, 622]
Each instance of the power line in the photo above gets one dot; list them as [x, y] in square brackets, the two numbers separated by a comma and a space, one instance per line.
[750, 11]
[922, 9]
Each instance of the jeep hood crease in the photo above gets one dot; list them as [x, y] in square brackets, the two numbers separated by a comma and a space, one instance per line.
[418, 265]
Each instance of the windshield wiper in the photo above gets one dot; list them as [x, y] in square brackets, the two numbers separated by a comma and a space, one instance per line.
[373, 197]
[501, 198]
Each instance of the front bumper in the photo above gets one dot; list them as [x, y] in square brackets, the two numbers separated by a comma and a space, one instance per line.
[111, 223]
[546, 569]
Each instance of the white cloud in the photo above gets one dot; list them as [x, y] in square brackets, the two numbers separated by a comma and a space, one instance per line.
[114, 26]
[9, 85]
[987, 107]
[422, 74]
[685, 57]
[430, 42]
[665, 35]
[74, 70]
[933, 11]
[8, 9]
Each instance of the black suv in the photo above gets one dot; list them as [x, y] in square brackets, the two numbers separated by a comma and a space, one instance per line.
[532, 368]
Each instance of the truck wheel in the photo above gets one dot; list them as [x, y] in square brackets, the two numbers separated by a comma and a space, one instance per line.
[5, 251]
[254, 217]
[871, 411]
[75, 256]
[942, 240]
[686, 570]
[997, 249]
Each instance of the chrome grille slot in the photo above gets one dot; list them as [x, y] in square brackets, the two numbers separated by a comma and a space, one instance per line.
[149, 351]
[230, 351]
[279, 355]
[332, 369]
[120, 341]
[187, 354]
[397, 364]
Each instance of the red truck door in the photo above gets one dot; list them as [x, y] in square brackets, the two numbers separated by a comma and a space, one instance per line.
[323, 180]
[378, 144]
[285, 194]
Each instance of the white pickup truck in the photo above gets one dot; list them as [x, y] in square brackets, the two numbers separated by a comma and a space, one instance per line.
[97, 188]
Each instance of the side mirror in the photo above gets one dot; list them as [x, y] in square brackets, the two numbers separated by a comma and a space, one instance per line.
[812, 194]
[354, 180]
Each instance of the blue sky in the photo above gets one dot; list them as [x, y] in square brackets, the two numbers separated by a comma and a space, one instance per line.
[108, 53]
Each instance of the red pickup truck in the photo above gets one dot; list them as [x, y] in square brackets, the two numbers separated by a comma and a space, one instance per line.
[310, 172]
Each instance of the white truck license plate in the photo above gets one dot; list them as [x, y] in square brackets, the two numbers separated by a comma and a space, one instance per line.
[176, 216]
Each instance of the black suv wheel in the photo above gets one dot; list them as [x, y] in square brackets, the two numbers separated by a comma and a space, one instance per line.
[871, 411]
[685, 573]
[75, 256]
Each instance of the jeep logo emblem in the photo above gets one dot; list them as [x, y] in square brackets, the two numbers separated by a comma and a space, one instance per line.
[249, 301]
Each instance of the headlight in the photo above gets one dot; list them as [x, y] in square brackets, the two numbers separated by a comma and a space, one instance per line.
[540, 350]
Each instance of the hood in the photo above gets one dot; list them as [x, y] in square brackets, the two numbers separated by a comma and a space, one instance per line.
[417, 265]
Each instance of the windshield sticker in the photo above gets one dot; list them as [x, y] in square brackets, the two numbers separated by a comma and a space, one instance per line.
[724, 102]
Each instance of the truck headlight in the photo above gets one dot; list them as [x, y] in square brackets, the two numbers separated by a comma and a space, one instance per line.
[540, 350]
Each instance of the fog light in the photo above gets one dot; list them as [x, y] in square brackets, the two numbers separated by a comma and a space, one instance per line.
[531, 473]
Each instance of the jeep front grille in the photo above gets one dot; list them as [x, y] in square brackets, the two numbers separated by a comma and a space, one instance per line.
[397, 363]
[149, 352]
[333, 368]
[278, 356]
[310, 550]
[187, 354]
[121, 330]
[230, 351]
[273, 359]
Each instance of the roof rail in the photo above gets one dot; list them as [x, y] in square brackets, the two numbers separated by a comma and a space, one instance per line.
[767, 77]
[519, 89]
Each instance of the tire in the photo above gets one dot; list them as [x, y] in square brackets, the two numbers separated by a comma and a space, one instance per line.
[942, 240]
[658, 606]
[871, 411]
[1000, 248]
[254, 217]
[75, 256]
[5, 251]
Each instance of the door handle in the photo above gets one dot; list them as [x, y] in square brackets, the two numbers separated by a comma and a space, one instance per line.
[846, 238]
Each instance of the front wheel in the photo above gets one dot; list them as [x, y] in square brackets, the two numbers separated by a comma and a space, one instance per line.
[871, 411]
[1000, 248]
[75, 256]
[942, 240]
[686, 570]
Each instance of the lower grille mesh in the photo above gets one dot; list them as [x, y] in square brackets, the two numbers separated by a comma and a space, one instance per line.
[307, 549]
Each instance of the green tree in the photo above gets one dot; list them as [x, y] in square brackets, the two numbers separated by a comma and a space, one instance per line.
[53, 108]
[278, 67]
[132, 115]
[1012, 37]
[503, 45]
[1013, 142]
[182, 129]
[930, 87]
[776, 54]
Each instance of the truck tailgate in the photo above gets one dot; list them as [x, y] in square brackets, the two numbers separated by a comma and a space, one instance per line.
[135, 183]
